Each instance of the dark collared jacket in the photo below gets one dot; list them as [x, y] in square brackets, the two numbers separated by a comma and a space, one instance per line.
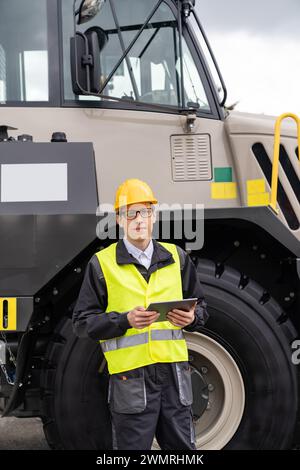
[92, 301]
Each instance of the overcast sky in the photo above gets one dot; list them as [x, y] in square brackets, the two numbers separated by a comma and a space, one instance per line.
[257, 46]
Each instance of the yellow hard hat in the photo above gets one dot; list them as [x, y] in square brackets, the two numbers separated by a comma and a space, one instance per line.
[133, 191]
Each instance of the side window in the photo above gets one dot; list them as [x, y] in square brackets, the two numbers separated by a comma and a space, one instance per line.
[23, 51]
[151, 71]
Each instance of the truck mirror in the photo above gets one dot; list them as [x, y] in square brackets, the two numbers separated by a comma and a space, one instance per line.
[85, 59]
[79, 65]
[88, 10]
[97, 39]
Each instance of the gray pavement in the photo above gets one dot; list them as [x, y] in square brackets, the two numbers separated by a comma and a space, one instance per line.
[22, 434]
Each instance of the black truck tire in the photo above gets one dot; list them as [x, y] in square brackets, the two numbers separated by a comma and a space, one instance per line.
[75, 413]
[242, 320]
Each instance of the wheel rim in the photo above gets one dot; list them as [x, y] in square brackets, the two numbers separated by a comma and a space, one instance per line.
[225, 391]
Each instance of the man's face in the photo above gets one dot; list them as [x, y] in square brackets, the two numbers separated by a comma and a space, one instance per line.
[138, 228]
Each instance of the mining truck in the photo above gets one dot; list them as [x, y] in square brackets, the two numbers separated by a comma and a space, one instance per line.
[94, 92]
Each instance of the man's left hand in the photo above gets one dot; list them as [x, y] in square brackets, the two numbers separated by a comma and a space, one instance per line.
[181, 318]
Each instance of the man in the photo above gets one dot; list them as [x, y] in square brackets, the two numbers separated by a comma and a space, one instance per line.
[150, 390]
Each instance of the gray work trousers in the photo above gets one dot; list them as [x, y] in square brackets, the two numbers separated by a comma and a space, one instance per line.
[152, 401]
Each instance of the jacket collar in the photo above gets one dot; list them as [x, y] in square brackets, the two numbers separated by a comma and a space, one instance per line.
[160, 254]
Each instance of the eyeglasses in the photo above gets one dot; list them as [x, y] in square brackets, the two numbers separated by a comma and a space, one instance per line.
[131, 214]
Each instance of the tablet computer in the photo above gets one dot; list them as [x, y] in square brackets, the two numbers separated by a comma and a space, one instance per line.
[164, 307]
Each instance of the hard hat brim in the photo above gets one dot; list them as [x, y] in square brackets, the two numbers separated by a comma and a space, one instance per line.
[152, 201]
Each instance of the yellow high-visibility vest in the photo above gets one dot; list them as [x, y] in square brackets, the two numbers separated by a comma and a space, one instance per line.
[127, 289]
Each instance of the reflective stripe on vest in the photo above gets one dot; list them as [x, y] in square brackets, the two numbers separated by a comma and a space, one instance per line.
[126, 289]
[126, 341]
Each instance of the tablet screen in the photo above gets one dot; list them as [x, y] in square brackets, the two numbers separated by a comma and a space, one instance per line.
[164, 307]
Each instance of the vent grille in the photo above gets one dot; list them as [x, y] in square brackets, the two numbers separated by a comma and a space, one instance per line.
[282, 198]
[191, 157]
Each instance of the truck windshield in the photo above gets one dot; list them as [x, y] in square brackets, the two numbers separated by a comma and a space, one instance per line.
[151, 72]
[23, 51]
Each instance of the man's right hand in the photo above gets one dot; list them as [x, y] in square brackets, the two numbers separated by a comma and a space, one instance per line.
[140, 318]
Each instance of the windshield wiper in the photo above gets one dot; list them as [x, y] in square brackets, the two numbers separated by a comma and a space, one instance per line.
[132, 101]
